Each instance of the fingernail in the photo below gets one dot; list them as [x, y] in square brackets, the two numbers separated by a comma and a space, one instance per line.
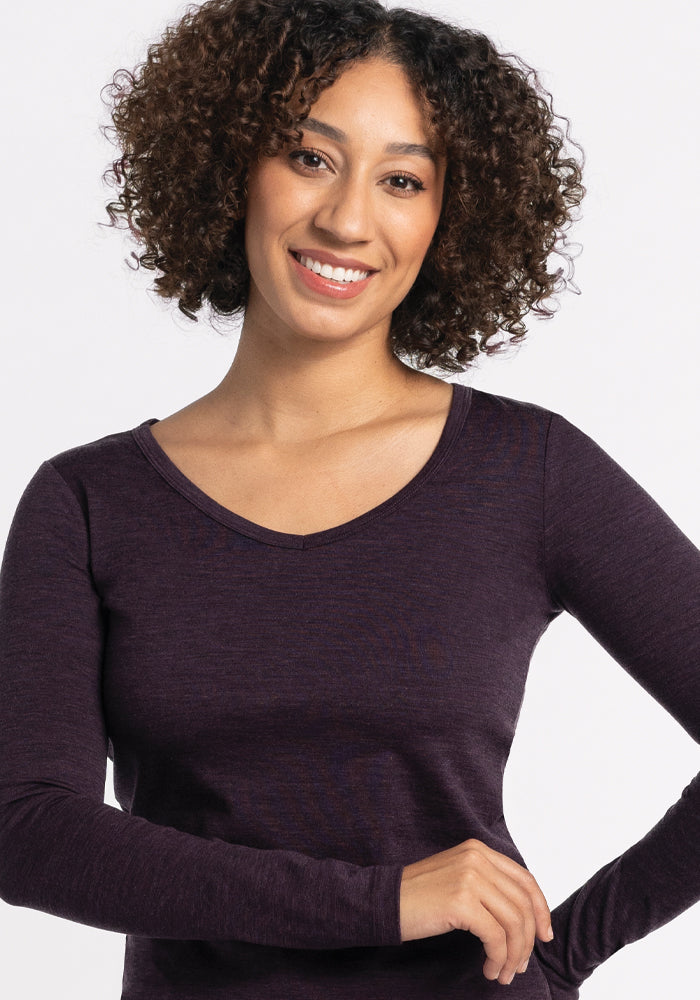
[550, 933]
[523, 967]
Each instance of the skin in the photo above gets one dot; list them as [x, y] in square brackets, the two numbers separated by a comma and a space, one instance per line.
[308, 366]
[471, 887]
[311, 370]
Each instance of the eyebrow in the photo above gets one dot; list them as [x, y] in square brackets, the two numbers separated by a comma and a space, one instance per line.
[398, 148]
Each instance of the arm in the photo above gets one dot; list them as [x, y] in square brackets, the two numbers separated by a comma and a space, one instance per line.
[618, 564]
[63, 850]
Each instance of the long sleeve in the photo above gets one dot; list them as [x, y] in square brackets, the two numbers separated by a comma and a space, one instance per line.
[63, 850]
[618, 564]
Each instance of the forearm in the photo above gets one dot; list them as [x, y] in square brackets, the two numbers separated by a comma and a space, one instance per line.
[70, 856]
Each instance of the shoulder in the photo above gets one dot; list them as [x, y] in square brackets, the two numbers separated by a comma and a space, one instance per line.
[564, 444]
[507, 405]
[520, 435]
[94, 466]
[506, 419]
[506, 412]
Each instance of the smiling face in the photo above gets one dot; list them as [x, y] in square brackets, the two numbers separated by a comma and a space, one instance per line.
[363, 191]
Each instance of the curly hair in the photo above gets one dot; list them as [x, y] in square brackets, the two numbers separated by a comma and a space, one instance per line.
[215, 94]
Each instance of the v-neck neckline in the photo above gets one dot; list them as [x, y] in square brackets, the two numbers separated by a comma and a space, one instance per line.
[158, 457]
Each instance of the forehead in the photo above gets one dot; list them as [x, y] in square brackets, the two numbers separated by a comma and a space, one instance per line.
[375, 96]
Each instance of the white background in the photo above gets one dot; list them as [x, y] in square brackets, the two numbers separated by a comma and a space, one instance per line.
[86, 351]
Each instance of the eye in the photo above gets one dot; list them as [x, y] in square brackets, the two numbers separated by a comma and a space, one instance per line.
[407, 179]
[308, 154]
[408, 185]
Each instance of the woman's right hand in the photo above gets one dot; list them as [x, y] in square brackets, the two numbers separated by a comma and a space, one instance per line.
[473, 888]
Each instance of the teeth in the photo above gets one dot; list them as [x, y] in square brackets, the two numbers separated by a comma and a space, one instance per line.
[335, 273]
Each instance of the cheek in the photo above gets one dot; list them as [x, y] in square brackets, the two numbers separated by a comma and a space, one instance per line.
[274, 206]
[414, 238]
[260, 231]
[263, 192]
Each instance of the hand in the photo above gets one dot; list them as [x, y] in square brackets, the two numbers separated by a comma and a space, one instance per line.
[473, 888]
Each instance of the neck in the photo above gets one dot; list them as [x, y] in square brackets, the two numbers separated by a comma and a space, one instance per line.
[303, 391]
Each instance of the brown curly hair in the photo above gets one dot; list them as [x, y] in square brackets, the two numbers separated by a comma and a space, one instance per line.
[215, 94]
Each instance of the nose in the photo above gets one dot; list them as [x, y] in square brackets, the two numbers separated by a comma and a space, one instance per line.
[346, 210]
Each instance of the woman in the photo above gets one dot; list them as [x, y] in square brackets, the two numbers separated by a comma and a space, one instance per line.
[298, 613]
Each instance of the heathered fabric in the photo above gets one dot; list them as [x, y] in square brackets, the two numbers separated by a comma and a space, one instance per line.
[294, 718]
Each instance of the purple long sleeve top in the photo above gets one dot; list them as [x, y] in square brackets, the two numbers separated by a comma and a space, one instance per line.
[294, 718]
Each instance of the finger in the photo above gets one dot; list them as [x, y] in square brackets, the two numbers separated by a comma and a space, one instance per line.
[507, 901]
[493, 937]
[518, 925]
[521, 900]
[500, 923]
[543, 916]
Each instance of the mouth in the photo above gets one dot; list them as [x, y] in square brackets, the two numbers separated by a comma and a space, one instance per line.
[340, 275]
[327, 280]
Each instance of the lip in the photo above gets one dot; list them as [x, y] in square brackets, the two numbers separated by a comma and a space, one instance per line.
[325, 257]
[326, 286]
